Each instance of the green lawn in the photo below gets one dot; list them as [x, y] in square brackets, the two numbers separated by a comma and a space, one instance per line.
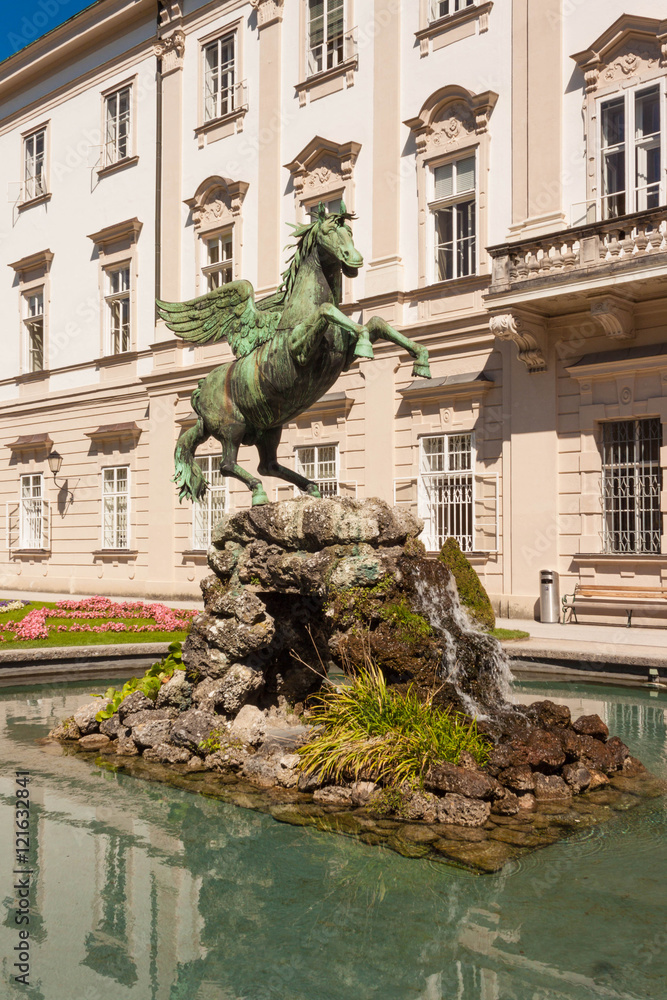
[82, 638]
[506, 634]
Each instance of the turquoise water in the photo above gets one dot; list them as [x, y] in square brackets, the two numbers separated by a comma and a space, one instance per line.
[152, 893]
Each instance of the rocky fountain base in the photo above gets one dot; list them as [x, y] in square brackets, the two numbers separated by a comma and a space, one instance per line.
[306, 587]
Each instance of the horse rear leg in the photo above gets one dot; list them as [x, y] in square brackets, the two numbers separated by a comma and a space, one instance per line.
[267, 446]
[188, 474]
[230, 439]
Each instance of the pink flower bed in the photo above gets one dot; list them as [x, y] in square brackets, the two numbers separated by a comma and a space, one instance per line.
[114, 617]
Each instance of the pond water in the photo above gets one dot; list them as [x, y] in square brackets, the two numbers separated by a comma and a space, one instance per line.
[148, 892]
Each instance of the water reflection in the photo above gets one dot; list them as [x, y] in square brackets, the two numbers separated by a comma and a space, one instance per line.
[145, 891]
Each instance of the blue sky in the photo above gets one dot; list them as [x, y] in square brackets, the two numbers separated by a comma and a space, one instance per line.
[22, 21]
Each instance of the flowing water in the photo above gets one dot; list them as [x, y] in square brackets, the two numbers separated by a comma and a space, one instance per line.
[148, 892]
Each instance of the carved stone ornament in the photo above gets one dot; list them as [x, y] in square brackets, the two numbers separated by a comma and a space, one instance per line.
[449, 117]
[170, 50]
[615, 316]
[215, 201]
[632, 46]
[631, 60]
[268, 11]
[509, 326]
[322, 167]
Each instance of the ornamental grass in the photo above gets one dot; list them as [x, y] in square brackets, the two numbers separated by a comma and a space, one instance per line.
[369, 729]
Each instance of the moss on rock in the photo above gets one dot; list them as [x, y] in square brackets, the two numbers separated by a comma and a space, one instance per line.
[472, 595]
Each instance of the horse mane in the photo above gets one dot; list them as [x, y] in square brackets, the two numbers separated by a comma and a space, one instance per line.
[306, 238]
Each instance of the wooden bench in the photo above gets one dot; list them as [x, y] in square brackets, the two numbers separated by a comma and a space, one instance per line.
[644, 601]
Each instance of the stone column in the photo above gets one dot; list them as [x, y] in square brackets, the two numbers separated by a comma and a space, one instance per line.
[379, 420]
[269, 199]
[385, 272]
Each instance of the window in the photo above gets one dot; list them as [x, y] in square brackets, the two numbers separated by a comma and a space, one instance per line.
[320, 465]
[219, 266]
[631, 484]
[326, 34]
[33, 513]
[115, 500]
[117, 124]
[333, 205]
[34, 165]
[453, 210]
[33, 325]
[207, 512]
[631, 153]
[118, 309]
[219, 78]
[443, 8]
[446, 490]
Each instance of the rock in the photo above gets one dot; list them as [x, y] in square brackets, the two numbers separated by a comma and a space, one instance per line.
[447, 777]
[233, 638]
[550, 786]
[619, 753]
[176, 693]
[488, 856]
[508, 805]
[126, 747]
[419, 834]
[195, 763]
[590, 752]
[153, 733]
[239, 685]
[419, 805]
[524, 837]
[135, 702]
[333, 795]
[471, 834]
[549, 714]
[362, 792]
[309, 782]
[539, 748]
[577, 777]
[526, 801]
[287, 770]
[192, 728]
[467, 761]
[67, 730]
[598, 779]
[518, 779]
[164, 753]
[591, 725]
[94, 741]
[112, 727]
[84, 717]
[453, 808]
[147, 715]
[249, 726]
[633, 767]
[262, 770]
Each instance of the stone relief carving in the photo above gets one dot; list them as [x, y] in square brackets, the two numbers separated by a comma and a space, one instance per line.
[214, 203]
[170, 50]
[268, 11]
[510, 326]
[316, 171]
[631, 60]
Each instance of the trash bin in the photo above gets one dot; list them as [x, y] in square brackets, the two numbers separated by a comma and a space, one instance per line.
[549, 596]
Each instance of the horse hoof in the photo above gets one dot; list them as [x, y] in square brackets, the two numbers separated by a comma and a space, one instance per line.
[313, 491]
[364, 350]
[259, 497]
[421, 371]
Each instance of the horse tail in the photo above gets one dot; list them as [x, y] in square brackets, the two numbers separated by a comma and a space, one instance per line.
[188, 474]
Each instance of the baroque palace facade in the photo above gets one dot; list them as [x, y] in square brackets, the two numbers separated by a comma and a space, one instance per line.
[506, 161]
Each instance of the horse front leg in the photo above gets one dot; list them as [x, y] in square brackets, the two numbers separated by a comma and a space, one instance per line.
[304, 338]
[379, 329]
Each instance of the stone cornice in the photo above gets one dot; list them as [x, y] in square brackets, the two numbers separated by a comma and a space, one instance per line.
[34, 262]
[121, 232]
[170, 49]
[268, 11]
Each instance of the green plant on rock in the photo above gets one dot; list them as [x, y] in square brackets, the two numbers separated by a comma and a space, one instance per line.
[472, 595]
[410, 626]
[350, 606]
[368, 728]
[219, 739]
[149, 684]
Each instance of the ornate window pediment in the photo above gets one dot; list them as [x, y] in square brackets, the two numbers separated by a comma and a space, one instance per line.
[322, 168]
[217, 202]
[450, 117]
[631, 47]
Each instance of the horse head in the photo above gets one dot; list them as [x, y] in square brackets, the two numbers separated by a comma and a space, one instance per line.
[334, 240]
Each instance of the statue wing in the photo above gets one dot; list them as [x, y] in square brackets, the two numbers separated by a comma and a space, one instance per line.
[227, 313]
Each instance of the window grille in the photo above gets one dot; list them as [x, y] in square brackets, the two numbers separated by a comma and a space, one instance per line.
[117, 126]
[630, 152]
[118, 309]
[446, 490]
[207, 512]
[443, 8]
[33, 513]
[115, 502]
[320, 465]
[219, 266]
[34, 165]
[454, 217]
[33, 323]
[219, 77]
[631, 485]
[326, 34]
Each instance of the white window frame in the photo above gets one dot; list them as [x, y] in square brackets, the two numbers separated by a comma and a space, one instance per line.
[214, 271]
[33, 513]
[117, 495]
[34, 165]
[445, 8]
[323, 482]
[631, 489]
[434, 538]
[219, 101]
[112, 152]
[633, 199]
[328, 57]
[207, 512]
[32, 323]
[115, 340]
[467, 196]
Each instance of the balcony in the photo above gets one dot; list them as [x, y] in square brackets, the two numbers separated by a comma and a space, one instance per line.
[626, 250]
